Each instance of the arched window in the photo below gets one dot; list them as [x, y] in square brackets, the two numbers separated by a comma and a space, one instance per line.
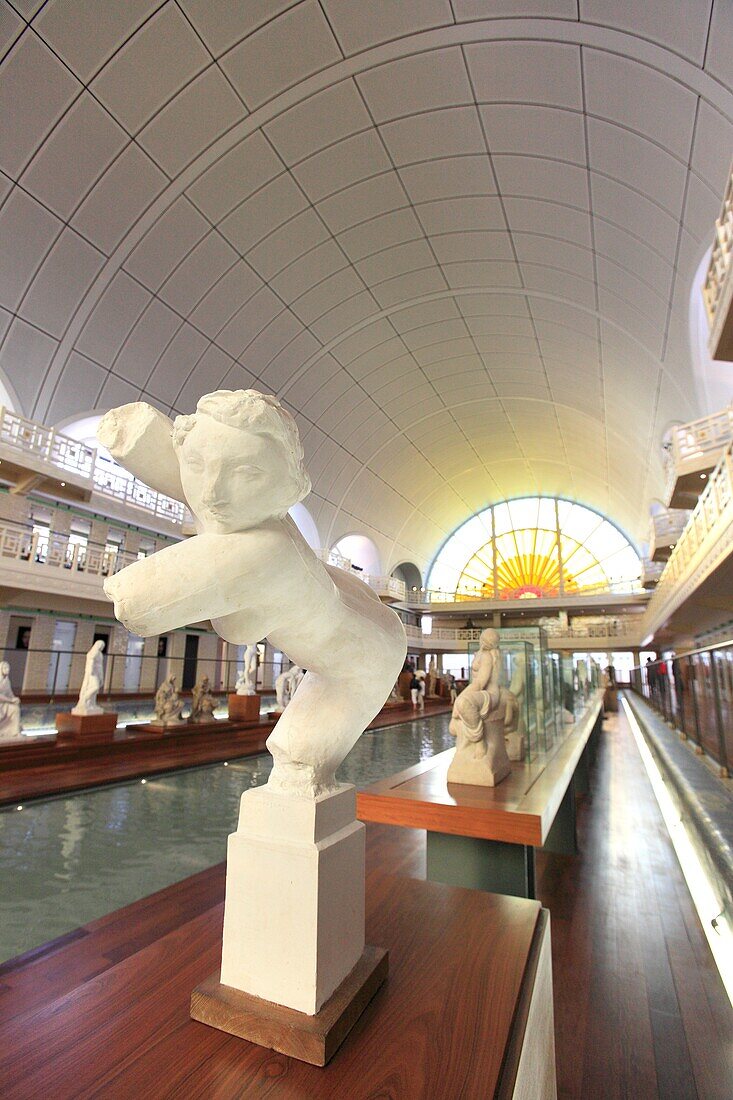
[531, 548]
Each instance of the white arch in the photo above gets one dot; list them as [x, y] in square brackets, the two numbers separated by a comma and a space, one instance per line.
[361, 551]
[305, 523]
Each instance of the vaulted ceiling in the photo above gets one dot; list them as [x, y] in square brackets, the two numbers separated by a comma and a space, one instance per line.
[457, 238]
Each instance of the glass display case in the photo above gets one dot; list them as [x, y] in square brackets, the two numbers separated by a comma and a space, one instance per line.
[526, 663]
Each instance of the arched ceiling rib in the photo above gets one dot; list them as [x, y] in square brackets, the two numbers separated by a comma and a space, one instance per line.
[460, 248]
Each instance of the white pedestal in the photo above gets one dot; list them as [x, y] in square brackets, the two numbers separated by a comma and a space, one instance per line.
[294, 911]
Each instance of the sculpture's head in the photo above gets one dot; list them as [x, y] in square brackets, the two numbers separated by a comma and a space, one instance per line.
[98, 646]
[241, 460]
[489, 639]
[4, 668]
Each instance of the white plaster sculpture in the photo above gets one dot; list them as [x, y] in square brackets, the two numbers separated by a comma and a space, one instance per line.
[432, 679]
[286, 684]
[92, 683]
[247, 677]
[168, 704]
[10, 727]
[294, 913]
[583, 686]
[477, 722]
[203, 703]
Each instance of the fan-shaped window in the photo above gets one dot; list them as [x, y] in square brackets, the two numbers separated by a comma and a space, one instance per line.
[532, 548]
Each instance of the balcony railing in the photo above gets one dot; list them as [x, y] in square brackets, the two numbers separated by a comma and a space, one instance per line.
[69, 455]
[716, 289]
[706, 539]
[386, 587]
[45, 443]
[24, 544]
[651, 571]
[664, 530]
[694, 449]
[433, 596]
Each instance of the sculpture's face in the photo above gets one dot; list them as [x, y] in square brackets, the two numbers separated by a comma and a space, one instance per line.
[4, 668]
[233, 479]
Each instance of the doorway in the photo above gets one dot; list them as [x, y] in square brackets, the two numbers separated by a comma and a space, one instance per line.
[190, 661]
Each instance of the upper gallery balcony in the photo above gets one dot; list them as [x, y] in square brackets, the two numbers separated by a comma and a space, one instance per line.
[664, 530]
[651, 571]
[694, 451]
[389, 589]
[33, 456]
[56, 563]
[717, 289]
[699, 573]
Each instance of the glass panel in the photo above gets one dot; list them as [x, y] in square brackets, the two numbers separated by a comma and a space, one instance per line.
[594, 553]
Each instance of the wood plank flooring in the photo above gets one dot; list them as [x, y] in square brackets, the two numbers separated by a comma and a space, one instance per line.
[640, 1009]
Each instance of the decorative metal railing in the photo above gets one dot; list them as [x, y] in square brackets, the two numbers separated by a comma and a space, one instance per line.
[28, 437]
[27, 545]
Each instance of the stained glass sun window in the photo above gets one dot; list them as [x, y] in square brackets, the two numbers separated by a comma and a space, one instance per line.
[531, 548]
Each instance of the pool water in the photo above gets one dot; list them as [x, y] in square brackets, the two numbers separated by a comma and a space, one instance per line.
[68, 860]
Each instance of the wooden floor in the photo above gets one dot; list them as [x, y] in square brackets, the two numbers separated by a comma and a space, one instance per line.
[640, 1009]
[43, 768]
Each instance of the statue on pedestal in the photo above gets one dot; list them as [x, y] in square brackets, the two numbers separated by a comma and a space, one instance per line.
[478, 719]
[92, 683]
[168, 704]
[431, 686]
[247, 677]
[238, 465]
[203, 703]
[10, 727]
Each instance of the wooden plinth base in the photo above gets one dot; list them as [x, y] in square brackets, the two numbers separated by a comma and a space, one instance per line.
[313, 1039]
[244, 708]
[85, 727]
[177, 727]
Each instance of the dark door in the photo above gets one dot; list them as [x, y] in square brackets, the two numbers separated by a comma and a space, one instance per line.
[189, 662]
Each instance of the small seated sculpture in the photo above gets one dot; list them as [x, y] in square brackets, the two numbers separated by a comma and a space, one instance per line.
[203, 703]
[10, 726]
[247, 677]
[478, 719]
[92, 683]
[168, 704]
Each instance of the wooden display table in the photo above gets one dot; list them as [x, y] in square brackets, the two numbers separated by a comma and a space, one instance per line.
[485, 837]
[466, 1011]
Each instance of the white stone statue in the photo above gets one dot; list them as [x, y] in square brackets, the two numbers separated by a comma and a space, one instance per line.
[92, 683]
[513, 738]
[203, 703]
[247, 677]
[168, 704]
[238, 463]
[286, 684]
[294, 910]
[478, 719]
[10, 727]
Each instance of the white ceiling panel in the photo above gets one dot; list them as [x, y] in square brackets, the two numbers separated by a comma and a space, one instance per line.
[464, 261]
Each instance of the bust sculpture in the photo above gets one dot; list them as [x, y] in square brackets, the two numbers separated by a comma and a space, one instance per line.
[247, 677]
[203, 703]
[10, 726]
[477, 722]
[238, 463]
[168, 704]
[92, 683]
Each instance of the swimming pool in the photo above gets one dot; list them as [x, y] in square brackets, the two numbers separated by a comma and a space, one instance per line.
[68, 860]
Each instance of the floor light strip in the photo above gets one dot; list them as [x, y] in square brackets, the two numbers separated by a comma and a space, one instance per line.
[708, 908]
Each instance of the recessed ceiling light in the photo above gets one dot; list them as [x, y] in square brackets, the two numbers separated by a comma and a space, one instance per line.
[63, 484]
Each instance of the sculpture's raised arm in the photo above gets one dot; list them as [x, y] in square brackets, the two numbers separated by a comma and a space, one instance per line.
[141, 439]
